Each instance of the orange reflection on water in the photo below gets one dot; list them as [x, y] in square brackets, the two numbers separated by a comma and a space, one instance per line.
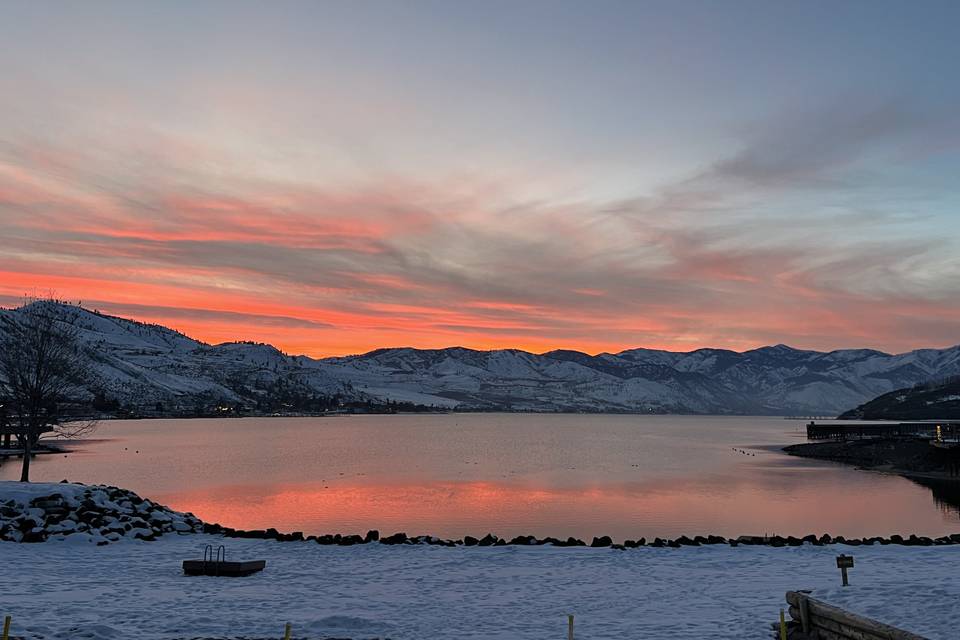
[455, 509]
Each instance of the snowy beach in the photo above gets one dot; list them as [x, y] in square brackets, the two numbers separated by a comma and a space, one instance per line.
[116, 571]
[131, 588]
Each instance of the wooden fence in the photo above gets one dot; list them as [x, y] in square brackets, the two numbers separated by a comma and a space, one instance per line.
[820, 621]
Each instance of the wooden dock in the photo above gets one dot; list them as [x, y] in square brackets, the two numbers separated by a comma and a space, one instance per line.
[855, 429]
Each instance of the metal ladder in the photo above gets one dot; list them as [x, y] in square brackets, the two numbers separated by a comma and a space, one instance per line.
[215, 560]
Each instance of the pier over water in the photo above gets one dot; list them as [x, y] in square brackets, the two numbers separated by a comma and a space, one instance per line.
[849, 430]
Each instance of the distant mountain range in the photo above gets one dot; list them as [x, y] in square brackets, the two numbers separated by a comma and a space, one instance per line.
[932, 401]
[143, 366]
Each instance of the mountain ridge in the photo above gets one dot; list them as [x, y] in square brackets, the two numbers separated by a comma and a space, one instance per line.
[140, 365]
[936, 400]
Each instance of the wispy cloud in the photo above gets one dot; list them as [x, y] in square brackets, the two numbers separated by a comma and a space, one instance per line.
[789, 238]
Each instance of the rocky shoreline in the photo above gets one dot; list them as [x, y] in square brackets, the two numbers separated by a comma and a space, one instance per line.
[491, 540]
[97, 514]
[100, 515]
[911, 457]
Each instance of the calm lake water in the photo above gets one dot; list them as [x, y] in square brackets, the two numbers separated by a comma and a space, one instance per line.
[467, 474]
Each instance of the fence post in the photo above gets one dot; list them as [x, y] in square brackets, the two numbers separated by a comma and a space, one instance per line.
[783, 627]
[6, 628]
[570, 626]
[804, 607]
[286, 632]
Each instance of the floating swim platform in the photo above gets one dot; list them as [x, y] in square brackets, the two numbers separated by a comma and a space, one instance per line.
[216, 564]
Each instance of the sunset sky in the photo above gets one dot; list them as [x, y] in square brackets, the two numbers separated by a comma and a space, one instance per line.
[337, 177]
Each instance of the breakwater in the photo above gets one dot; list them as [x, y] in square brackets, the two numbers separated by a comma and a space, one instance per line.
[491, 540]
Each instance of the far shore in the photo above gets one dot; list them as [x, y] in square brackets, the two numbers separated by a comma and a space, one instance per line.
[42, 449]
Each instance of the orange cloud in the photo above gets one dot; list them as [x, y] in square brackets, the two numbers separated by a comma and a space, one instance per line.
[337, 271]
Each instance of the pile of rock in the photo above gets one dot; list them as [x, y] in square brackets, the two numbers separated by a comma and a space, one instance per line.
[490, 540]
[97, 514]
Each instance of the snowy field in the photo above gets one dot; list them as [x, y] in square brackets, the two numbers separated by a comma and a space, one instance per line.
[135, 589]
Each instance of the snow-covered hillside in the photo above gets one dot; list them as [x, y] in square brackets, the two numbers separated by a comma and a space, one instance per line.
[140, 365]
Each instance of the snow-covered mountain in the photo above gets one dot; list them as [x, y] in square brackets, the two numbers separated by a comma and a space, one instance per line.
[937, 400]
[140, 365]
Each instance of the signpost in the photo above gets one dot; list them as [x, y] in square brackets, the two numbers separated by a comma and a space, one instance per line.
[844, 563]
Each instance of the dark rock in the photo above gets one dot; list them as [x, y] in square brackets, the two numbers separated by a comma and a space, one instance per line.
[26, 523]
[34, 536]
[488, 540]
[470, 541]
[256, 534]
[51, 520]
[896, 539]
[826, 539]
[397, 538]
[603, 541]
[372, 536]
[618, 547]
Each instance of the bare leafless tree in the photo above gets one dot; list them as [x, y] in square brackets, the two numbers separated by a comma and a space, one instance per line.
[42, 376]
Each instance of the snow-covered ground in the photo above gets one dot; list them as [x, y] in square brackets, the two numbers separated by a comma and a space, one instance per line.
[135, 589]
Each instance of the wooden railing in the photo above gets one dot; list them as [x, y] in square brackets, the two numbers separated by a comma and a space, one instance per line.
[820, 621]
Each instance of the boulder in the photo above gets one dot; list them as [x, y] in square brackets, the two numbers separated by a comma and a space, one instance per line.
[488, 540]
[397, 538]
